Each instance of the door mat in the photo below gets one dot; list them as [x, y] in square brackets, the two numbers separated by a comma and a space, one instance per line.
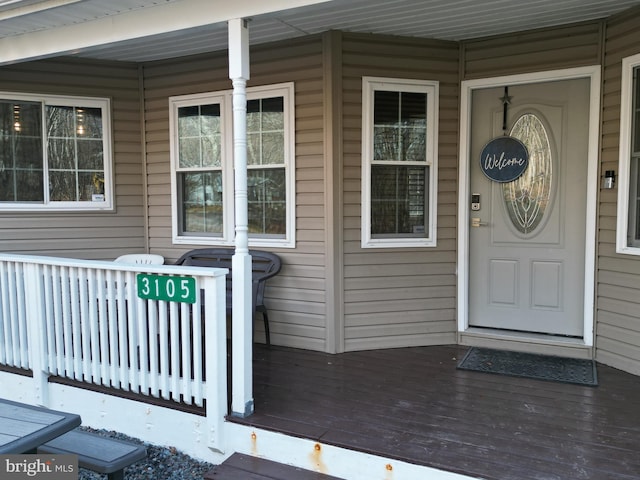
[530, 365]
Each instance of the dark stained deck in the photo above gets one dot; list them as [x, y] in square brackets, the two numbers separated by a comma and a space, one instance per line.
[414, 405]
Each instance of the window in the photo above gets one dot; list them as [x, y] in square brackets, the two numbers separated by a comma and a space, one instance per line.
[399, 162]
[203, 179]
[55, 153]
[628, 231]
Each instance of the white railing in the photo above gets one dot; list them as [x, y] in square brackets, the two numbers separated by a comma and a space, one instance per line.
[83, 320]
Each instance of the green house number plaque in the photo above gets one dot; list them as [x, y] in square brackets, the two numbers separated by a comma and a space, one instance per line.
[168, 288]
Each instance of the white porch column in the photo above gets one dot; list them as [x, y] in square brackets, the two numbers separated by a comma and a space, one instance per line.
[242, 321]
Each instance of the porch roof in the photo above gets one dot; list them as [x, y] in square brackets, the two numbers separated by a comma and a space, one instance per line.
[147, 30]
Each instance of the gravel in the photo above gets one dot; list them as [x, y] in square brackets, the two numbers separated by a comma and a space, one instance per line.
[162, 463]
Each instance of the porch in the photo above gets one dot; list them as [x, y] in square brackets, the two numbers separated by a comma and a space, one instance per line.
[413, 405]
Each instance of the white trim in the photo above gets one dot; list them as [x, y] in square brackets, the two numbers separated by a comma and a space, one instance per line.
[224, 98]
[467, 87]
[326, 459]
[175, 103]
[431, 88]
[624, 161]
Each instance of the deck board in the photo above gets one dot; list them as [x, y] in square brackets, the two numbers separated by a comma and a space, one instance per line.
[414, 405]
[246, 467]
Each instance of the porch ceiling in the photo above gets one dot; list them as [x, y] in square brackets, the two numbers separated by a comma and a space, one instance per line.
[147, 30]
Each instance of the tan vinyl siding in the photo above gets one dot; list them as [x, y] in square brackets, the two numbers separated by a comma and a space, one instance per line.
[397, 296]
[295, 297]
[89, 235]
[618, 279]
[545, 49]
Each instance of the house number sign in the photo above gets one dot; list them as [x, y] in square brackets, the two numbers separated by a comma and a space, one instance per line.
[169, 288]
[504, 159]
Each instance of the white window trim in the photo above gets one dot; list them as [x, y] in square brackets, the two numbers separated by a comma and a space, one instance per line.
[286, 90]
[624, 162]
[431, 88]
[63, 100]
[227, 174]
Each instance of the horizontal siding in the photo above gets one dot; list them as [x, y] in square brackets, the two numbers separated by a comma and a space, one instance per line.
[545, 49]
[618, 276]
[399, 297]
[296, 296]
[88, 235]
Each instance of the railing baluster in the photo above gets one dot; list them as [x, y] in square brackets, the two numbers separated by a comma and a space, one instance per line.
[59, 319]
[187, 341]
[47, 280]
[21, 317]
[142, 322]
[198, 359]
[67, 322]
[103, 328]
[164, 350]
[75, 320]
[174, 333]
[153, 372]
[132, 329]
[93, 335]
[5, 314]
[13, 332]
[113, 331]
[123, 338]
[85, 323]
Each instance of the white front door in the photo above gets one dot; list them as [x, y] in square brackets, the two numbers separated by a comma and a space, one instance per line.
[527, 237]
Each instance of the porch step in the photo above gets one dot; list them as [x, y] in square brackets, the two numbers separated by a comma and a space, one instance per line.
[246, 467]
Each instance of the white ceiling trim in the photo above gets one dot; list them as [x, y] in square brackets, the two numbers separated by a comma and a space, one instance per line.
[156, 20]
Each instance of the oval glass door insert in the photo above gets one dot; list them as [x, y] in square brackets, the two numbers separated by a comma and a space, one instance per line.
[527, 198]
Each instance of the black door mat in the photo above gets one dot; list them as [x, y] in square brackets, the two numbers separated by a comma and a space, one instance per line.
[530, 365]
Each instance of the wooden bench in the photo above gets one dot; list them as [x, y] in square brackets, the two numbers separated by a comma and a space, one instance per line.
[101, 454]
[264, 265]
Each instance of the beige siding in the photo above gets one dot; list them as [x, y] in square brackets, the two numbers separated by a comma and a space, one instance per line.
[397, 297]
[545, 49]
[90, 235]
[618, 280]
[296, 297]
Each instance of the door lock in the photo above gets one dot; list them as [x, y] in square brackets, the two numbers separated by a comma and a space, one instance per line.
[475, 202]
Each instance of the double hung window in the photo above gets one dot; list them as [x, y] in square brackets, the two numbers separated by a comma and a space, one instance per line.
[399, 162]
[628, 231]
[54, 153]
[203, 178]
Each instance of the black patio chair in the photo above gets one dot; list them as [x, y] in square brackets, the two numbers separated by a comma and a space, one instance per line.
[264, 265]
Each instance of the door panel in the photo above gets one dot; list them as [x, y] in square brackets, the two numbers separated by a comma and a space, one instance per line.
[527, 241]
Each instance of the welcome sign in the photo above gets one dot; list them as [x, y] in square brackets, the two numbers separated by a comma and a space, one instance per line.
[504, 159]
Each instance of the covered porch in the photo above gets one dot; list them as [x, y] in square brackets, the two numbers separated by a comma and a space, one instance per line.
[412, 405]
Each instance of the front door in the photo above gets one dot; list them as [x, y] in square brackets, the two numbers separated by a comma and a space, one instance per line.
[527, 237]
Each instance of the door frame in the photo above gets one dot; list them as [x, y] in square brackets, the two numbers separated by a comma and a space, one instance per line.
[467, 87]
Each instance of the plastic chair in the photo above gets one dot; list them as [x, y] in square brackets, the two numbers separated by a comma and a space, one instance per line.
[264, 265]
[141, 259]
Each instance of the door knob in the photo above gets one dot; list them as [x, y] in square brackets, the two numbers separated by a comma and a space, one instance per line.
[475, 222]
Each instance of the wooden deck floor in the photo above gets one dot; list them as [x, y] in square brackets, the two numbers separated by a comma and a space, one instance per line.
[414, 405]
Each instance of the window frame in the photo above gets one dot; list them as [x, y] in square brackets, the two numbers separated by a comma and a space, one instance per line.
[623, 244]
[225, 99]
[47, 205]
[431, 88]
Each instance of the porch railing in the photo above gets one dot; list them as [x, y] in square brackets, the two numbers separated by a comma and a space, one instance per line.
[83, 320]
